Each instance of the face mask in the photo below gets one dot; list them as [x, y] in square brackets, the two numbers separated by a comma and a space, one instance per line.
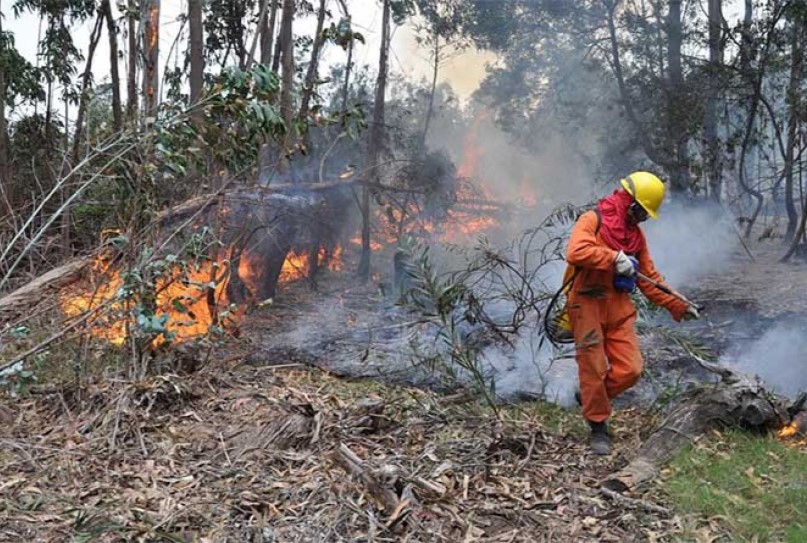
[636, 213]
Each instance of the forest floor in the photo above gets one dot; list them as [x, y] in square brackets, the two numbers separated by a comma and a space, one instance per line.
[247, 448]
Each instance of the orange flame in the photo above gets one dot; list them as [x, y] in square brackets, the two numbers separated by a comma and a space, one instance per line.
[298, 264]
[797, 426]
[192, 298]
[788, 431]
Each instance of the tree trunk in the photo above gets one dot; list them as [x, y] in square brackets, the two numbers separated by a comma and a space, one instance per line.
[151, 60]
[377, 143]
[711, 143]
[268, 35]
[346, 84]
[649, 149]
[112, 36]
[747, 39]
[435, 69]
[311, 72]
[287, 81]
[95, 37]
[197, 60]
[756, 79]
[259, 34]
[131, 76]
[794, 110]
[6, 183]
[679, 179]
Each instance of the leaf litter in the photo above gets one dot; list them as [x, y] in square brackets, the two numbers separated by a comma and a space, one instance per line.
[277, 454]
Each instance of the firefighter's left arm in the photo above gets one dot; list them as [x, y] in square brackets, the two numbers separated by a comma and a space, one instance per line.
[676, 307]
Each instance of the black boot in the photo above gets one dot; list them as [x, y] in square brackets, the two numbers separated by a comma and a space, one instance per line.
[600, 440]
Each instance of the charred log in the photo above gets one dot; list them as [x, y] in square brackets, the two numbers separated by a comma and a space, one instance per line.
[737, 401]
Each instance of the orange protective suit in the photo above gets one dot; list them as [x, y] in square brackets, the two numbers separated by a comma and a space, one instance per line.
[607, 349]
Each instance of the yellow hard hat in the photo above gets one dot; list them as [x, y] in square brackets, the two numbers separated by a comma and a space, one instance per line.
[647, 189]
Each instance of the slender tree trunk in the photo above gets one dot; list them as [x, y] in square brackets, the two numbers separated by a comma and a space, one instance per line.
[131, 76]
[435, 69]
[711, 143]
[676, 109]
[268, 34]
[278, 45]
[348, 66]
[377, 143]
[311, 71]
[794, 110]
[112, 36]
[151, 58]
[197, 60]
[756, 79]
[258, 34]
[747, 39]
[346, 84]
[95, 38]
[648, 147]
[6, 183]
[287, 81]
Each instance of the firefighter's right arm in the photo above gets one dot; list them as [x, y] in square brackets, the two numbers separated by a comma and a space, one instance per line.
[585, 251]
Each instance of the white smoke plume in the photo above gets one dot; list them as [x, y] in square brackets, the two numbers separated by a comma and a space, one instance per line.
[688, 242]
[779, 358]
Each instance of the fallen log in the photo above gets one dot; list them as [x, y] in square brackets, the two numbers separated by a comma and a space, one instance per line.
[737, 401]
[24, 298]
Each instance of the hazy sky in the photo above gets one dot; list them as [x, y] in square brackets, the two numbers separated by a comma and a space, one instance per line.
[464, 72]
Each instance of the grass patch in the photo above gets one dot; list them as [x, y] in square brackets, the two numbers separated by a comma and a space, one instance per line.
[755, 486]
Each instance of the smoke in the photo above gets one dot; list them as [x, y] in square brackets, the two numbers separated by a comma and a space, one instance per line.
[509, 171]
[530, 370]
[777, 357]
[688, 242]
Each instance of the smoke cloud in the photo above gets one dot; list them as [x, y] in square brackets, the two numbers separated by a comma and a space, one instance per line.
[689, 242]
[777, 357]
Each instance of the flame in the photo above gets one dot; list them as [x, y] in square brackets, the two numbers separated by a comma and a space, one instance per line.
[192, 298]
[788, 431]
[374, 245]
[797, 426]
[297, 263]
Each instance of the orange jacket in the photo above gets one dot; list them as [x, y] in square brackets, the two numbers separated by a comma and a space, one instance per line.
[595, 262]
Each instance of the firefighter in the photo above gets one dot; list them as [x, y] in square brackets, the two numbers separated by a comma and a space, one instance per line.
[606, 248]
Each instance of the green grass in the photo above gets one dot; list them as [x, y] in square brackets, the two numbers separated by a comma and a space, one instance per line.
[755, 486]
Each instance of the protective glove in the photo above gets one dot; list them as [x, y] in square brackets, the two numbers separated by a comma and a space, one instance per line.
[691, 313]
[624, 265]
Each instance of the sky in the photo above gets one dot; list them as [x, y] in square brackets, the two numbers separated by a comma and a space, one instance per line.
[464, 72]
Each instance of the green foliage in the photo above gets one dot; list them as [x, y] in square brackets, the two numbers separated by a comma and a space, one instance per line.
[225, 24]
[22, 78]
[756, 486]
[141, 302]
[437, 298]
[57, 47]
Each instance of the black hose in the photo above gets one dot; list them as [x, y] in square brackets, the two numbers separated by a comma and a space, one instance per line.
[551, 306]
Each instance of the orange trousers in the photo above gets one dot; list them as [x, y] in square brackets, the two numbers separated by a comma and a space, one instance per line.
[607, 349]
